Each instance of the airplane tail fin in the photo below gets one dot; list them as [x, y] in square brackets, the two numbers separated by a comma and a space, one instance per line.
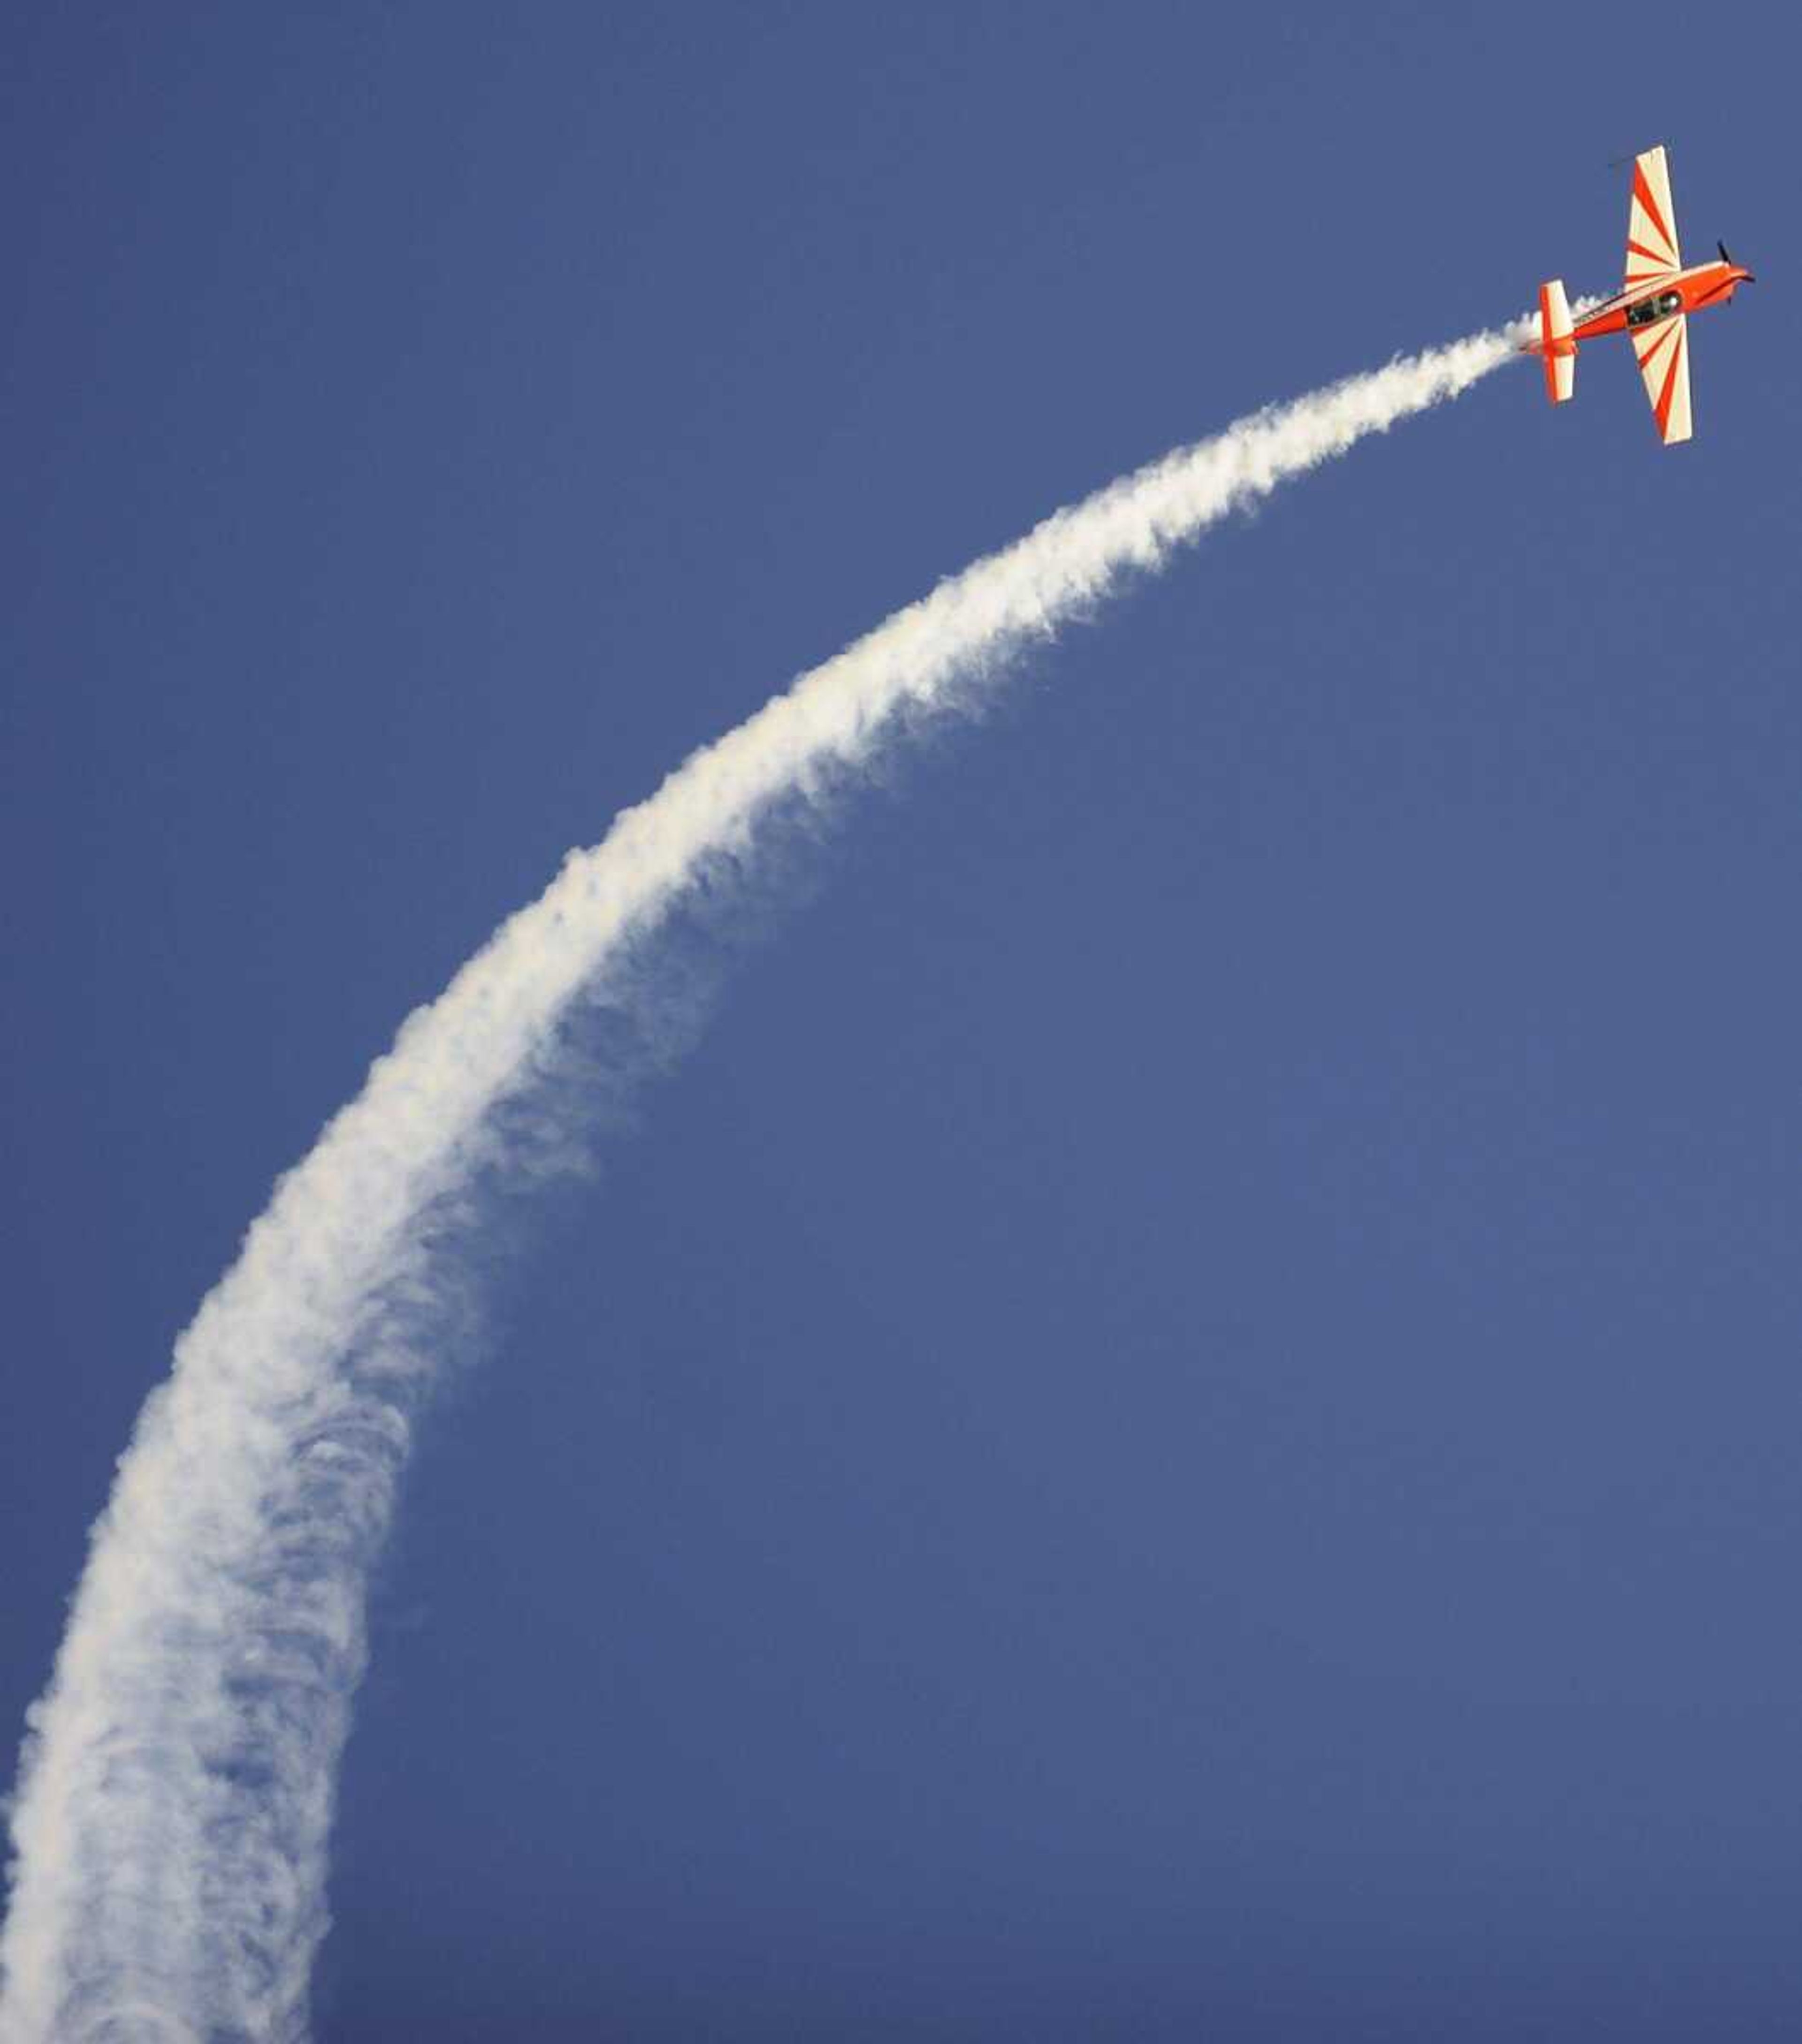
[1556, 347]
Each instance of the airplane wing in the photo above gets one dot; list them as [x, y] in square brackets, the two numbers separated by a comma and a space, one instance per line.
[1652, 249]
[1663, 350]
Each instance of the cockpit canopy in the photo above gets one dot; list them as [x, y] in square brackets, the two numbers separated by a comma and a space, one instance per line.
[1659, 306]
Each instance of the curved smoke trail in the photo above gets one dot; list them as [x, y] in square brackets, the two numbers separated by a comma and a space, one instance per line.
[175, 1790]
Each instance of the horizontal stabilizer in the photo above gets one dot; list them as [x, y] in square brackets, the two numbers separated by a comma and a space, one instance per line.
[1556, 347]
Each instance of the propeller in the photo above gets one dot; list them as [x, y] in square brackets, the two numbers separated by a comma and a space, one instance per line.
[1726, 259]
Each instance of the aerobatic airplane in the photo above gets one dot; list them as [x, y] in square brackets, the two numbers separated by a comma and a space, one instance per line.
[1653, 307]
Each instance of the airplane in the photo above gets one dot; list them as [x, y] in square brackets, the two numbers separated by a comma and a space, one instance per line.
[1653, 306]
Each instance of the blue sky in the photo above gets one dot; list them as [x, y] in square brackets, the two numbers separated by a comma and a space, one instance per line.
[1182, 1421]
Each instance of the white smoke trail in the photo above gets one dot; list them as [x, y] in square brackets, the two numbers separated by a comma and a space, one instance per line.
[176, 1788]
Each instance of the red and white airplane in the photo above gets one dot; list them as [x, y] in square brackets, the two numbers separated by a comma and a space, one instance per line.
[1653, 306]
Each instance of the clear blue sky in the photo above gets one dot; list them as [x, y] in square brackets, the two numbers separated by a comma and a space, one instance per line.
[1184, 1421]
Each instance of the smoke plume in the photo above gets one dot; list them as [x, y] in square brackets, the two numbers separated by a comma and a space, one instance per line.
[171, 1821]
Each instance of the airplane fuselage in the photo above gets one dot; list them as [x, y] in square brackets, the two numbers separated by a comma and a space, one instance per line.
[1693, 290]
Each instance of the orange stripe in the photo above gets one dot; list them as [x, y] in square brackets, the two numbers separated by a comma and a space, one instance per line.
[1642, 191]
[1669, 392]
[1651, 255]
[1663, 335]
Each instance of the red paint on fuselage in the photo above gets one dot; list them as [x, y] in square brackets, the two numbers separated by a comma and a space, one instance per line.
[1707, 284]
